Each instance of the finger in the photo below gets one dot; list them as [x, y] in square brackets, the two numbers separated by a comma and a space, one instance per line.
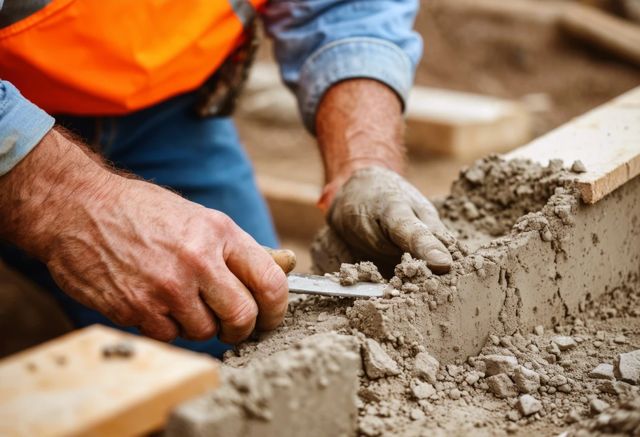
[195, 318]
[232, 303]
[252, 265]
[428, 214]
[410, 234]
[160, 328]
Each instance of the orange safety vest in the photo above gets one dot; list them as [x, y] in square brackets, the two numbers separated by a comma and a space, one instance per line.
[109, 57]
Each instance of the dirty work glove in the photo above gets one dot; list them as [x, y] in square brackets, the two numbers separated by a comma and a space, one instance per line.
[379, 213]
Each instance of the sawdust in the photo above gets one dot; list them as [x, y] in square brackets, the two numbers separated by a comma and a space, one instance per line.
[428, 369]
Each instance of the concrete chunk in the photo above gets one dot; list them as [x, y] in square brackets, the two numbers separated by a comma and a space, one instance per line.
[422, 390]
[627, 367]
[377, 363]
[529, 405]
[597, 406]
[310, 390]
[496, 364]
[602, 371]
[502, 386]
[526, 380]
[426, 367]
[564, 342]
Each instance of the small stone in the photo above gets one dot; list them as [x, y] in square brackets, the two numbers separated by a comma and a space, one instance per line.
[377, 363]
[572, 417]
[417, 414]
[627, 367]
[472, 378]
[578, 167]
[502, 386]
[454, 370]
[602, 371]
[557, 380]
[555, 165]
[513, 416]
[529, 405]
[455, 394]
[526, 380]
[371, 426]
[422, 390]
[564, 388]
[564, 342]
[538, 330]
[426, 367]
[475, 175]
[597, 406]
[496, 364]
[620, 339]
[553, 349]
[494, 339]
[470, 211]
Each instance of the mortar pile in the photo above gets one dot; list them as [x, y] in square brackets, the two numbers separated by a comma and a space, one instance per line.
[466, 351]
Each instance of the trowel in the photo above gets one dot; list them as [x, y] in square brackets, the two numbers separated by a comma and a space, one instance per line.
[321, 285]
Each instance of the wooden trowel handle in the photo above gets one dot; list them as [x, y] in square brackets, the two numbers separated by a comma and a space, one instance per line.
[285, 258]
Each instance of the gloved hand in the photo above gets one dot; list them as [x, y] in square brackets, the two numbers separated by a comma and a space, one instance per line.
[378, 212]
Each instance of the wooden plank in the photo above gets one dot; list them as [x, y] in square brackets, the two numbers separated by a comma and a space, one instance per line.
[293, 206]
[68, 387]
[615, 35]
[464, 125]
[606, 140]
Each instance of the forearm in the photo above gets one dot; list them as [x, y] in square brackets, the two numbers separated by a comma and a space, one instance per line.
[53, 177]
[359, 124]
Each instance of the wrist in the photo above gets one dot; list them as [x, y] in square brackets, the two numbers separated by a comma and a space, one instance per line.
[45, 193]
[359, 124]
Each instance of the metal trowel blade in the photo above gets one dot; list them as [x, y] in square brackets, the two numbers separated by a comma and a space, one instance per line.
[328, 286]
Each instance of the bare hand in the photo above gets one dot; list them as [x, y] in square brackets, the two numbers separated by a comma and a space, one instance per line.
[146, 257]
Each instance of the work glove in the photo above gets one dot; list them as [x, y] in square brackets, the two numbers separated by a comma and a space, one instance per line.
[380, 214]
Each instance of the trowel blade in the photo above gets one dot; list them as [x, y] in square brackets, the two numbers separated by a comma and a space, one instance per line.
[327, 286]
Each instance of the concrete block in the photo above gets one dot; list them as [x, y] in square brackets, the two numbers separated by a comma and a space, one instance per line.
[309, 390]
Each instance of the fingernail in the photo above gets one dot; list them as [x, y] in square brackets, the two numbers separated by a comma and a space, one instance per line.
[439, 258]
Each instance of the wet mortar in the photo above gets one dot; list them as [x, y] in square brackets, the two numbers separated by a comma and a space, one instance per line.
[476, 350]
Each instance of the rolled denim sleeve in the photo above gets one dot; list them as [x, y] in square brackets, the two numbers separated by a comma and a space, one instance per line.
[22, 126]
[319, 43]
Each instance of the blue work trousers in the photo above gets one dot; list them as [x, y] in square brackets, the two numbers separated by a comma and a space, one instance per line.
[168, 144]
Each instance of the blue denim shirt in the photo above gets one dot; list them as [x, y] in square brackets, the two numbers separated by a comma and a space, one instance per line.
[317, 44]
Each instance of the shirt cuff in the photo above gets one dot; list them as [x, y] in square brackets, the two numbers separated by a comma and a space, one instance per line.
[351, 58]
[22, 126]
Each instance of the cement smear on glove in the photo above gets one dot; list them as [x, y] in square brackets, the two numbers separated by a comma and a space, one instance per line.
[465, 352]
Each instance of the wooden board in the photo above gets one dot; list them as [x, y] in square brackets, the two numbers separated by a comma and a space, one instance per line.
[293, 206]
[606, 140]
[66, 387]
[464, 125]
[615, 35]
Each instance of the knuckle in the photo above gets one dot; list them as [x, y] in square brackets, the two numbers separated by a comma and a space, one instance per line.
[244, 315]
[204, 332]
[273, 286]
[171, 289]
[223, 221]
